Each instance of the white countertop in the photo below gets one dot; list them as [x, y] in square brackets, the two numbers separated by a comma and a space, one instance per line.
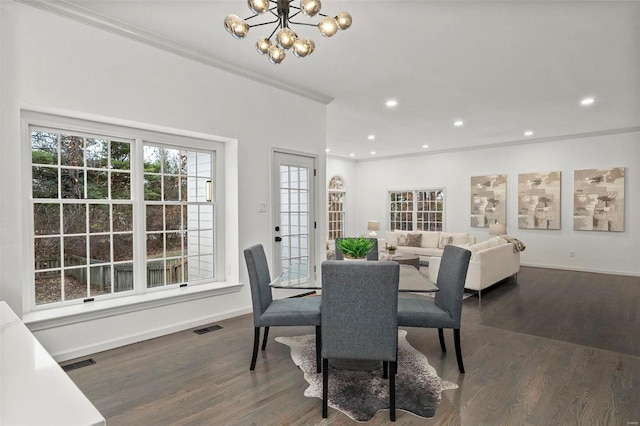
[34, 390]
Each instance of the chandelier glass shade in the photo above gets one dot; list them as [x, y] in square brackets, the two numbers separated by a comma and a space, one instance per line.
[286, 38]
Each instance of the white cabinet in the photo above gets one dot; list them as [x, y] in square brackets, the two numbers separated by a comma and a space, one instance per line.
[34, 390]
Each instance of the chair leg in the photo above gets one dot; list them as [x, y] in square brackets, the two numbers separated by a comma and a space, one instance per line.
[456, 339]
[264, 339]
[318, 349]
[441, 336]
[325, 387]
[392, 390]
[256, 343]
[385, 368]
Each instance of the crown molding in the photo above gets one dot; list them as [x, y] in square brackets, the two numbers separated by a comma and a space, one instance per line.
[596, 133]
[114, 26]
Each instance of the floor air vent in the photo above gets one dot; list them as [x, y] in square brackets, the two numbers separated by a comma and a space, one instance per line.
[79, 364]
[207, 329]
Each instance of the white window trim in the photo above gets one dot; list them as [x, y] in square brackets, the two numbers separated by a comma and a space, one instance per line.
[415, 190]
[342, 191]
[228, 267]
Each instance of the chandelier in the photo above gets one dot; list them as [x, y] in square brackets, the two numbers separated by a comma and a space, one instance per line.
[285, 37]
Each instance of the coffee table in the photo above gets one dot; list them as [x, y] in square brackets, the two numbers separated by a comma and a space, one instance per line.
[407, 259]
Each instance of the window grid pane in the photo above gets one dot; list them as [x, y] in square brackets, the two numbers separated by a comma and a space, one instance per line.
[294, 222]
[418, 210]
[71, 235]
[83, 214]
[179, 219]
[336, 215]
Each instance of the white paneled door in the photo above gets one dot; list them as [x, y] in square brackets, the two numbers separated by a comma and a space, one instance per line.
[294, 216]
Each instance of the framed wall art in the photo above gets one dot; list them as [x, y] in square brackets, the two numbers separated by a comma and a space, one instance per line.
[488, 200]
[539, 200]
[598, 199]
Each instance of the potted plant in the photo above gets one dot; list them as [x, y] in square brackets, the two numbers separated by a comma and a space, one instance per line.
[391, 249]
[354, 247]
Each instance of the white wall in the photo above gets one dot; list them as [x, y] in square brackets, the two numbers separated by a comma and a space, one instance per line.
[347, 169]
[50, 62]
[608, 252]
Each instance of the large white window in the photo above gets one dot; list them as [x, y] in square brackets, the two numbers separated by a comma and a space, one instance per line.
[416, 210]
[118, 211]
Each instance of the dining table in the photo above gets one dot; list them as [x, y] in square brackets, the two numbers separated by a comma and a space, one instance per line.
[411, 280]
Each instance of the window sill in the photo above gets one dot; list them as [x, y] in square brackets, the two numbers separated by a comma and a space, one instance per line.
[57, 317]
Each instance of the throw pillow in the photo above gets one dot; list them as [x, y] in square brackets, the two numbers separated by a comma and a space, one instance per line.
[445, 241]
[402, 240]
[414, 240]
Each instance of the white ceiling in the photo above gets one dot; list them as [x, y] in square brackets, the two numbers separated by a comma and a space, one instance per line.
[502, 67]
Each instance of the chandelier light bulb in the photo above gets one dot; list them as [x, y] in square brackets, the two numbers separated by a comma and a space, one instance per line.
[303, 47]
[229, 21]
[263, 45]
[310, 8]
[258, 6]
[328, 26]
[285, 38]
[276, 54]
[237, 27]
[344, 20]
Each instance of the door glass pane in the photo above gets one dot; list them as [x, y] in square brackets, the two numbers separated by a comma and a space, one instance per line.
[294, 226]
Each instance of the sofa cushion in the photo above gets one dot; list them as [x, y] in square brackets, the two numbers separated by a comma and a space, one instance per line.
[391, 238]
[455, 238]
[420, 251]
[479, 246]
[496, 241]
[413, 240]
[430, 239]
[483, 245]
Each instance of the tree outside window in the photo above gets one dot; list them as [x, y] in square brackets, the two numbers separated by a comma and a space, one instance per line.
[84, 216]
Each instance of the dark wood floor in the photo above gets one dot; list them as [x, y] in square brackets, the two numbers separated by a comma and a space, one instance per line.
[555, 348]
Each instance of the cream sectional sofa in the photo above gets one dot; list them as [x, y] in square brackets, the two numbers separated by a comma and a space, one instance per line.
[425, 244]
[491, 261]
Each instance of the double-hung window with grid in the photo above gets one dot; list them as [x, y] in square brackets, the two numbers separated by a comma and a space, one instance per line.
[115, 216]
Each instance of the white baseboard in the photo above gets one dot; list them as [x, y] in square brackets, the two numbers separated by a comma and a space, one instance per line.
[72, 353]
[581, 269]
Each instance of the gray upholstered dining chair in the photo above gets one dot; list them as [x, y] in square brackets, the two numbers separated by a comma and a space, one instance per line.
[267, 312]
[372, 255]
[360, 317]
[446, 310]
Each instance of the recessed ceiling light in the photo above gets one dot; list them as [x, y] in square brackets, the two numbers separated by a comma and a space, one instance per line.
[587, 101]
[528, 133]
[352, 155]
[425, 146]
[458, 123]
[373, 153]
[391, 103]
[371, 137]
[327, 150]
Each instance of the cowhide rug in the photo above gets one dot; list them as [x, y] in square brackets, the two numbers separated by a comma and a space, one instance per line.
[360, 394]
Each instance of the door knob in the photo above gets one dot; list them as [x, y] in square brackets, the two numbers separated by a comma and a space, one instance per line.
[278, 239]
